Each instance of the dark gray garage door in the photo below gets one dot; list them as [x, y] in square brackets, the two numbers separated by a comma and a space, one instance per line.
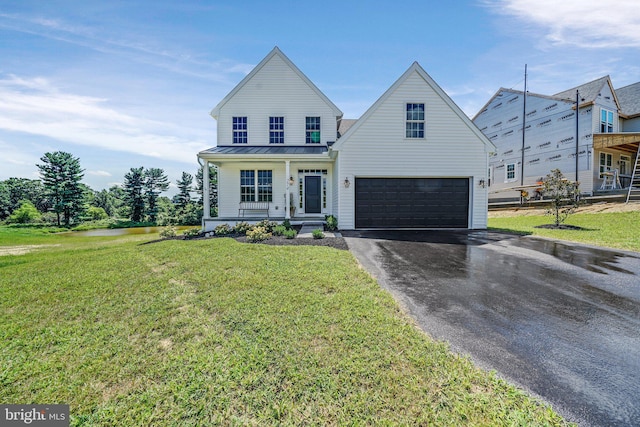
[412, 202]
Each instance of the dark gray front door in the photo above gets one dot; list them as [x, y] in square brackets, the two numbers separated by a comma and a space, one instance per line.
[312, 194]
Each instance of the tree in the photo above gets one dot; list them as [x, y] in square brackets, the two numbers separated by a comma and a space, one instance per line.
[155, 182]
[184, 190]
[25, 214]
[15, 190]
[133, 196]
[61, 175]
[563, 194]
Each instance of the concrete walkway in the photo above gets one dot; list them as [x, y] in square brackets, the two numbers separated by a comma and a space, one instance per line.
[308, 227]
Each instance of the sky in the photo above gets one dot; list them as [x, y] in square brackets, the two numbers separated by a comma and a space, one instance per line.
[122, 84]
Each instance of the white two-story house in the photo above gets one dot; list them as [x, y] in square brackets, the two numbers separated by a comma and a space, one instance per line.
[598, 146]
[413, 160]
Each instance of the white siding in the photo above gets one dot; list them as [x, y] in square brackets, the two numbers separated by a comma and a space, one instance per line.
[277, 91]
[378, 148]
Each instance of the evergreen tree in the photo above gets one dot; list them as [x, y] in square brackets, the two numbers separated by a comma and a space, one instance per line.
[61, 175]
[184, 190]
[155, 182]
[133, 184]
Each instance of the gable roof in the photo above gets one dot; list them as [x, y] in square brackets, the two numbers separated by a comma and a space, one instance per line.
[629, 98]
[588, 91]
[415, 68]
[275, 52]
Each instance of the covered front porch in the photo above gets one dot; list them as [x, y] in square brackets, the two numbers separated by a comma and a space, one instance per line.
[618, 160]
[275, 183]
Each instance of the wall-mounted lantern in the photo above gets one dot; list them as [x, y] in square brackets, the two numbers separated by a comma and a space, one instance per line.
[291, 181]
[481, 183]
[347, 183]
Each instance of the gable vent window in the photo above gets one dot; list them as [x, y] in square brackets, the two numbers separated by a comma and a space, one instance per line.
[415, 121]
[239, 130]
[312, 134]
[276, 130]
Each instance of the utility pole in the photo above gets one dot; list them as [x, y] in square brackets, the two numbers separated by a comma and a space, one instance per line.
[524, 123]
[577, 131]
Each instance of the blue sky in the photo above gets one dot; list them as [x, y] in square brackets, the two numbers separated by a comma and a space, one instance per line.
[123, 84]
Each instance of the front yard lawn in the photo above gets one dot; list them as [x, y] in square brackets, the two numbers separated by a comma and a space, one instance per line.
[192, 333]
[616, 230]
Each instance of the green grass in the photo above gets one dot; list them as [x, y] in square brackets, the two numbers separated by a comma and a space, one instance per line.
[206, 332]
[615, 230]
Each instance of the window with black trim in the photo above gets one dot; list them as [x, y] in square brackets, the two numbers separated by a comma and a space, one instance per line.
[312, 135]
[276, 130]
[239, 130]
[415, 120]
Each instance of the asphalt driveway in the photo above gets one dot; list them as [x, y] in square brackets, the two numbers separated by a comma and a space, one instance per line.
[560, 320]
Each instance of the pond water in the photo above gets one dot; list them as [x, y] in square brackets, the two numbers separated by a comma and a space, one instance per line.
[102, 232]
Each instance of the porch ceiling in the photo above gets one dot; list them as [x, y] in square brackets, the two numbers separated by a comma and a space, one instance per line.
[622, 141]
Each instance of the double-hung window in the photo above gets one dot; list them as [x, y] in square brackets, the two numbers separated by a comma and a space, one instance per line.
[510, 172]
[415, 120]
[606, 121]
[276, 130]
[606, 162]
[239, 130]
[312, 135]
[256, 190]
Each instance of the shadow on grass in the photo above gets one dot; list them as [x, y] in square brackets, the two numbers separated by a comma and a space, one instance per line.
[510, 231]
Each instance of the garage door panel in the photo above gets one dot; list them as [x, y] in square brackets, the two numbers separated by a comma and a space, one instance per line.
[412, 202]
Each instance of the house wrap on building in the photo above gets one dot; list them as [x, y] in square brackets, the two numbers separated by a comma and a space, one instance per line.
[284, 151]
[604, 139]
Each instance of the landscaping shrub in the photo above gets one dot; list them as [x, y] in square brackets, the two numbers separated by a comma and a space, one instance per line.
[168, 232]
[317, 234]
[279, 230]
[332, 222]
[267, 225]
[287, 224]
[192, 232]
[290, 233]
[222, 230]
[242, 227]
[257, 234]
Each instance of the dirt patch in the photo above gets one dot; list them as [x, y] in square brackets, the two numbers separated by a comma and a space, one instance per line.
[21, 250]
[587, 209]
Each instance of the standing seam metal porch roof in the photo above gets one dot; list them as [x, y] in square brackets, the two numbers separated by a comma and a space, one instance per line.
[267, 150]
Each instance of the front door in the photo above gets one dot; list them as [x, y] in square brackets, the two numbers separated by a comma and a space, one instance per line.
[312, 194]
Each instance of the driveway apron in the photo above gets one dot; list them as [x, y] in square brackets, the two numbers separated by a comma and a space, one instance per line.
[560, 320]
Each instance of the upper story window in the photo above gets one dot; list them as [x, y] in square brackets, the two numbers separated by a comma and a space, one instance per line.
[239, 130]
[606, 121]
[312, 130]
[276, 130]
[510, 172]
[415, 121]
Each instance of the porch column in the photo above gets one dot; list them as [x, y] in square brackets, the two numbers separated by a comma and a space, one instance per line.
[287, 174]
[206, 197]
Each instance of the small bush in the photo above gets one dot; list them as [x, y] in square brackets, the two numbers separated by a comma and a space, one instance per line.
[317, 234]
[290, 233]
[96, 213]
[222, 230]
[25, 214]
[192, 232]
[279, 230]
[242, 227]
[287, 224]
[257, 234]
[168, 232]
[267, 225]
[332, 222]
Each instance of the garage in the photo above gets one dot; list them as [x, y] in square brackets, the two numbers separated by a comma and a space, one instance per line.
[412, 202]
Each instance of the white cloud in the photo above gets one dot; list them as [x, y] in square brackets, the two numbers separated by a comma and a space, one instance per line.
[34, 106]
[587, 24]
[99, 173]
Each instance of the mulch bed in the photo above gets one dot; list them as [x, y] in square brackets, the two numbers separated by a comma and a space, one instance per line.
[559, 227]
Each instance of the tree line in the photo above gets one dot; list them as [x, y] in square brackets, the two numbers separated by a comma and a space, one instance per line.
[59, 196]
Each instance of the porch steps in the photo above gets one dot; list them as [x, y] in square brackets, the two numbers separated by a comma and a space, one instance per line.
[634, 188]
[308, 227]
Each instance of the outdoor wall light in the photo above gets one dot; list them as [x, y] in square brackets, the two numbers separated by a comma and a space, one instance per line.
[291, 181]
[346, 183]
[481, 183]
